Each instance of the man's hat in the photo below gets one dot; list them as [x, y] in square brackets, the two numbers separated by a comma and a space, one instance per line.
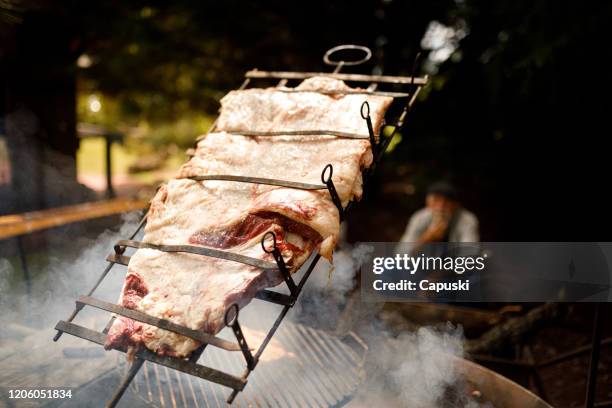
[444, 188]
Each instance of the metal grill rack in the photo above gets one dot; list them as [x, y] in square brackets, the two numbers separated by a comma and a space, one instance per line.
[395, 118]
[320, 369]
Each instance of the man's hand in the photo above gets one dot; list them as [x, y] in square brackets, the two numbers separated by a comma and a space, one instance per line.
[437, 229]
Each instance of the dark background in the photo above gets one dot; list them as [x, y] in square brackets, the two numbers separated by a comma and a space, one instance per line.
[517, 117]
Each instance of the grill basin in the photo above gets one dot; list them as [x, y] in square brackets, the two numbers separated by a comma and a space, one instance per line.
[302, 367]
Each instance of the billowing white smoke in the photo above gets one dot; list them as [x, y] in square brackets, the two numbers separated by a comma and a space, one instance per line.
[340, 277]
[426, 370]
[416, 369]
[55, 288]
[413, 369]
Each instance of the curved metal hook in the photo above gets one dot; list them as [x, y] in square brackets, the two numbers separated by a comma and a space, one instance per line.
[332, 189]
[327, 179]
[265, 238]
[234, 319]
[365, 115]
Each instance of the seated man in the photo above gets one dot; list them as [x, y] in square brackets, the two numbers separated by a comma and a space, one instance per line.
[443, 219]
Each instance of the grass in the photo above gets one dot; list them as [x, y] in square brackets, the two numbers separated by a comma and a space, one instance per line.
[91, 160]
[91, 157]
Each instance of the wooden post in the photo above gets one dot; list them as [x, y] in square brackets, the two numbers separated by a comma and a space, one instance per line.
[110, 193]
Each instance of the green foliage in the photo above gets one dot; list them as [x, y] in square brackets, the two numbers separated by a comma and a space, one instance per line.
[181, 132]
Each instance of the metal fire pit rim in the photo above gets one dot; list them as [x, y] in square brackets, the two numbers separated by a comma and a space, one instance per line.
[489, 378]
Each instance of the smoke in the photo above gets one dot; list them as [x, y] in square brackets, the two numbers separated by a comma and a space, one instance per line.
[6, 271]
[416, 369]
[60, 279]
[425, 372]
[340, 276]
[410, 369]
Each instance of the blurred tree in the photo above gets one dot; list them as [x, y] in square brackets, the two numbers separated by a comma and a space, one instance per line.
[523, 102]
[163, 60]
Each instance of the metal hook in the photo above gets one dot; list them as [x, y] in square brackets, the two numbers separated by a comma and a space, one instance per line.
[280, 261]
[234, 319]
[332, 189]
[263, 242]
[235, 326]
[366, 115]
[368, 120]
[327, 179]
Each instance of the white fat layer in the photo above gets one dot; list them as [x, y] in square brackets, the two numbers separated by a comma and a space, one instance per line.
[195, 291]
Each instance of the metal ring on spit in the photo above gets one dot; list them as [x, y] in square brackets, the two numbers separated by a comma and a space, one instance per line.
[280, 261]
[332, 189]
[231, 322]
[119, 249]
[263, 242]
[338, 48]
[327, 179]
[365, 114]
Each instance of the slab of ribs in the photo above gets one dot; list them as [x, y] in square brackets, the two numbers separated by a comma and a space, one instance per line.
[194, 290]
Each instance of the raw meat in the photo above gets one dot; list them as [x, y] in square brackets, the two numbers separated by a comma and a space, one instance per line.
[264, 110]
[195, 291]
